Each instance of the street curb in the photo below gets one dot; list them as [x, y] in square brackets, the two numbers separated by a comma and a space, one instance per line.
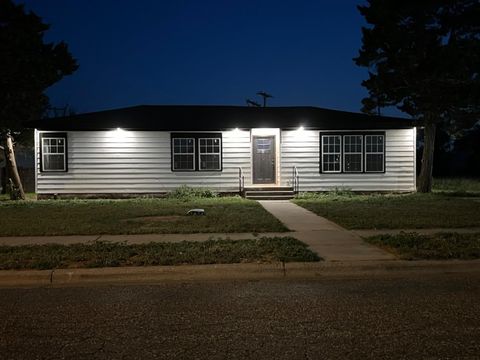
[231, 272]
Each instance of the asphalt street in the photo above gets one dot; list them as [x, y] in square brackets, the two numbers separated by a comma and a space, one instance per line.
[415, 316]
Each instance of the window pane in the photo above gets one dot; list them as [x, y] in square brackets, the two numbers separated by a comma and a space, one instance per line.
[209, 162]
[353, 162]
[211, 146]
[53, 162]
[183, 146]
[374, 162]
[183, 162]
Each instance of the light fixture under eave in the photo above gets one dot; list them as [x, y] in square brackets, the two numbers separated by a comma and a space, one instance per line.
[301, 128]
[119, 134]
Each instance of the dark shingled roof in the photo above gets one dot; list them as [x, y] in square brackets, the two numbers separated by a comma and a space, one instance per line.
[202, 118]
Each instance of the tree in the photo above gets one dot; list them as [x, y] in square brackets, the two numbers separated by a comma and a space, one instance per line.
[423, 57]
[28, 66]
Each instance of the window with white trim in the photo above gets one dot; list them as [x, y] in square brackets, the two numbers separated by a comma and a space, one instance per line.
[209, 153]
[331, 153]
[353, 153]
[183, 152]
[196, 151]
[374, 153]
[54, 153]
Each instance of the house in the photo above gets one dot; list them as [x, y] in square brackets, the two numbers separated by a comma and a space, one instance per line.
[155, 149]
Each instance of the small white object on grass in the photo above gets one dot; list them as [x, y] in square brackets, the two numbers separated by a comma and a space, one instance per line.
[196, 212]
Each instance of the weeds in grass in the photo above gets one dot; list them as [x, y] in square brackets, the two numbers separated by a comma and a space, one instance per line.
[83, 217]
[457, 185]
[438, 246]
[396, 211]
[110, 254]
[185, 192]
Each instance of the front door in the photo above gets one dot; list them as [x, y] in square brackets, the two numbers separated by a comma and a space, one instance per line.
[264, 159]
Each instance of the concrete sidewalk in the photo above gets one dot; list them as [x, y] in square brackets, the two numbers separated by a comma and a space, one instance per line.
[327, 239]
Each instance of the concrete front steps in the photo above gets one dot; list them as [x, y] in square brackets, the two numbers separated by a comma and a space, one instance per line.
[269, 193]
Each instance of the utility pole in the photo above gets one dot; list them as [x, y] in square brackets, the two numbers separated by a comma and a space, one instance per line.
[265, 96]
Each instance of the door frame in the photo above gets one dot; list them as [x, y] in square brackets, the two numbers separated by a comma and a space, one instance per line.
[275, 132]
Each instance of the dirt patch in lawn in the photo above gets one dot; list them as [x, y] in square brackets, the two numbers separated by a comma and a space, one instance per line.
[153, 219]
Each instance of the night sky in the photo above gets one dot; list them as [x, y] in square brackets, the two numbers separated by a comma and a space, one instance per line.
[207, 52]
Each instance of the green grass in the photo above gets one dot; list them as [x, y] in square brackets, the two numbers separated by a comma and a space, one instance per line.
[409, 211]
[28, 196]
[441, 246]
[134, 216]
[108, 254]
[457, 186]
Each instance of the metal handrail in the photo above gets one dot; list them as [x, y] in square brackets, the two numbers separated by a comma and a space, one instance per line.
[295, 180]
[241, 181]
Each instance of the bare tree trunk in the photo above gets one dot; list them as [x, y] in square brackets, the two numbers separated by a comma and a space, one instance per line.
[3, 172]
[425, 179]
[12, 170]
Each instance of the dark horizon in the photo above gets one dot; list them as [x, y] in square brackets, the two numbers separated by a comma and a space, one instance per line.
[217, 53]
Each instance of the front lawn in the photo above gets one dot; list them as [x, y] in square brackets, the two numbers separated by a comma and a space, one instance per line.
[440, 246]
[103, 254]
[457, 186]
[134, 216]
[410, 211]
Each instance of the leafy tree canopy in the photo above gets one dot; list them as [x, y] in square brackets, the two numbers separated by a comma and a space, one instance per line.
[424, 58]
[28, 65]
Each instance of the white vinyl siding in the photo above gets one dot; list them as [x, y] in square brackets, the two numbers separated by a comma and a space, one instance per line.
[140, 162]
[302, 150]
[137, 162]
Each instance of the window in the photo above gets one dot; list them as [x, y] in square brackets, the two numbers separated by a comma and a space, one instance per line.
[352, 153]
[183, 154]
[264, 145]
[196, 151]
[331, 153]
[209, 153]
[53, 152]
[374, 153]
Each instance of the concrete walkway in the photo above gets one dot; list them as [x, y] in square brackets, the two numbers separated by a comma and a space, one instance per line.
[327, 239]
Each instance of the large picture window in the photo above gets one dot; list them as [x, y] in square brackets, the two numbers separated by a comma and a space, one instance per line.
[352, 152]
[53, 152]
[196, 152]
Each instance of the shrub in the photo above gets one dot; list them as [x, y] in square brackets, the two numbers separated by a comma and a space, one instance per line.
[188, 192]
